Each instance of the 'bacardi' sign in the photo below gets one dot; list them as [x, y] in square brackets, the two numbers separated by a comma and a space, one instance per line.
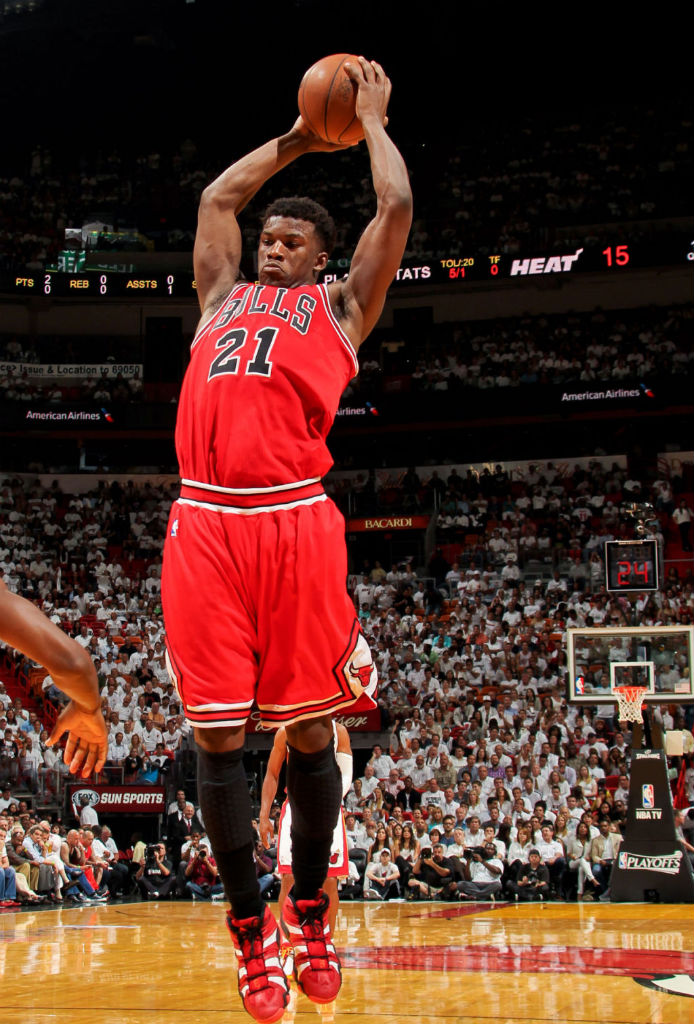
[387, 523]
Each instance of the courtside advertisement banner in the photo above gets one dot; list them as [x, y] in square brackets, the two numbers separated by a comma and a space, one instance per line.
[119, 799]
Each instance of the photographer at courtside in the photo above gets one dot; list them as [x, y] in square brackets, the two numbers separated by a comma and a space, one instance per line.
[202, 877]
[155, 878]
[482, 870]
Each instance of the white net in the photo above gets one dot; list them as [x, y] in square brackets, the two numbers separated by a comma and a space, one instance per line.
[629, 700]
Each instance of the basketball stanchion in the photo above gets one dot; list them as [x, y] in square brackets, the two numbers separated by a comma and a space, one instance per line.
[650, 864]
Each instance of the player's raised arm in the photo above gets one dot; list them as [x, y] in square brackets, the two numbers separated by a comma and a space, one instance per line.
[217, 251]
[379, 251]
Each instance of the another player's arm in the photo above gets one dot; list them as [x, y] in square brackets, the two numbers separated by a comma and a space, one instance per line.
[359, 300]
[217, 250]
[344, 758]
[270, 784]
[27, 629]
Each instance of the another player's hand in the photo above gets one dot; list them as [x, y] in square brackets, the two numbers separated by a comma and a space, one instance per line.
[87, 742]
[314, 144]
[266, 830]
[373, 89]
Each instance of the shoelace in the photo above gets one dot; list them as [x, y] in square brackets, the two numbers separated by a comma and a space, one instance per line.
[253, 938]
[312, 921]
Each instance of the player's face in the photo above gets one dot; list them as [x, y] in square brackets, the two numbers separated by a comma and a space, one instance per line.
[289, 253]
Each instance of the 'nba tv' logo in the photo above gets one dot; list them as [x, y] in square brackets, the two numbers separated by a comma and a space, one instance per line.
[647, 795]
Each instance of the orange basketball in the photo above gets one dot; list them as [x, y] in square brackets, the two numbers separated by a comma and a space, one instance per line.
[327, 100]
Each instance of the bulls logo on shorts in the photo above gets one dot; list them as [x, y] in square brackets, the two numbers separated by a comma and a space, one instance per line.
[357, 666]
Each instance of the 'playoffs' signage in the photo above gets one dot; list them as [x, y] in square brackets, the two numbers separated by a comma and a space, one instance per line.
[663, 863]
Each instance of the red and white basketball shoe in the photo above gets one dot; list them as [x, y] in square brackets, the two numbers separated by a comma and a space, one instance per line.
[316, 964]
[262, 985]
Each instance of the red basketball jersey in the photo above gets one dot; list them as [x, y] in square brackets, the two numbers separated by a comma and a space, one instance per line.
[262, 389]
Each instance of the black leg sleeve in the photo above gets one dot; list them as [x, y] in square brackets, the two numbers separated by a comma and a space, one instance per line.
[314, 788]
[226, 810]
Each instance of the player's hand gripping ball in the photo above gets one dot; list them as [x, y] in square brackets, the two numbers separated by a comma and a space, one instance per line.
[327, 101]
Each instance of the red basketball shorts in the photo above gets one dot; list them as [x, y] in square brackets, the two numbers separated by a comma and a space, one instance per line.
[256, 611]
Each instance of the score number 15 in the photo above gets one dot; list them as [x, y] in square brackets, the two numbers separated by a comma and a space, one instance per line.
[618, 255]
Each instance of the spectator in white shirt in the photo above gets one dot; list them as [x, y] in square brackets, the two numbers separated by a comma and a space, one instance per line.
[421, 773]
[381, 763]
[369, 780]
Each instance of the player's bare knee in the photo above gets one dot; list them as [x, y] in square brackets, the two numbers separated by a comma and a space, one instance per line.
[310, 736]
[220, 741]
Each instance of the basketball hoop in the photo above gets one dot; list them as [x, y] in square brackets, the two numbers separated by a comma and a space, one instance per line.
[629, 701]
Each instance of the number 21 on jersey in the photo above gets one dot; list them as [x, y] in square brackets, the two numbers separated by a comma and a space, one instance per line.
[229, 356]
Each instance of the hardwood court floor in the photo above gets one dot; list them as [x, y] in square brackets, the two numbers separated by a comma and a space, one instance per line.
[405, 963]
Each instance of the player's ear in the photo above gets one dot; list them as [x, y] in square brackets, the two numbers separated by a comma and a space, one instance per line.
[320, 261]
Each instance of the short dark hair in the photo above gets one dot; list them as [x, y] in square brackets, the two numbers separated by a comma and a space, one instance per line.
[303, 208]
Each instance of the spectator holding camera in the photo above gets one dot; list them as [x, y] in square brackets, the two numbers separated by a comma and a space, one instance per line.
[482, 871]
[430, 872]
[155, 878]
[186, 852]
[202, 877]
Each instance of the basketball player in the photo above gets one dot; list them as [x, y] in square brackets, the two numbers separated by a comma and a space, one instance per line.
[339, 856]
[255, 564]
[27, 629]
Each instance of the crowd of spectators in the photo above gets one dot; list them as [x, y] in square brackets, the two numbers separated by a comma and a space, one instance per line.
[71, 348]
[623, 348]
[67, 553]
[608, 348]
[472, 662]
[493, 783]
[539, 518]
[99, 391]
[566, 176]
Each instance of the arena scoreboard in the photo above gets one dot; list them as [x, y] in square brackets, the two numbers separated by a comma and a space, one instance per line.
[454, 271]
[95, 284]
[631, 565]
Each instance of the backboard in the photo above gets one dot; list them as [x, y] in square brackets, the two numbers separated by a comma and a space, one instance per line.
[658, 658]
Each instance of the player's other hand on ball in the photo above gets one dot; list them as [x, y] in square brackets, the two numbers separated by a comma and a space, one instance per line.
[373, 89]
[314, 142]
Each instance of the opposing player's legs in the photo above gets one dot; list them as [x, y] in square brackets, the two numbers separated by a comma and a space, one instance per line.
[226, 809]
[314, 789]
